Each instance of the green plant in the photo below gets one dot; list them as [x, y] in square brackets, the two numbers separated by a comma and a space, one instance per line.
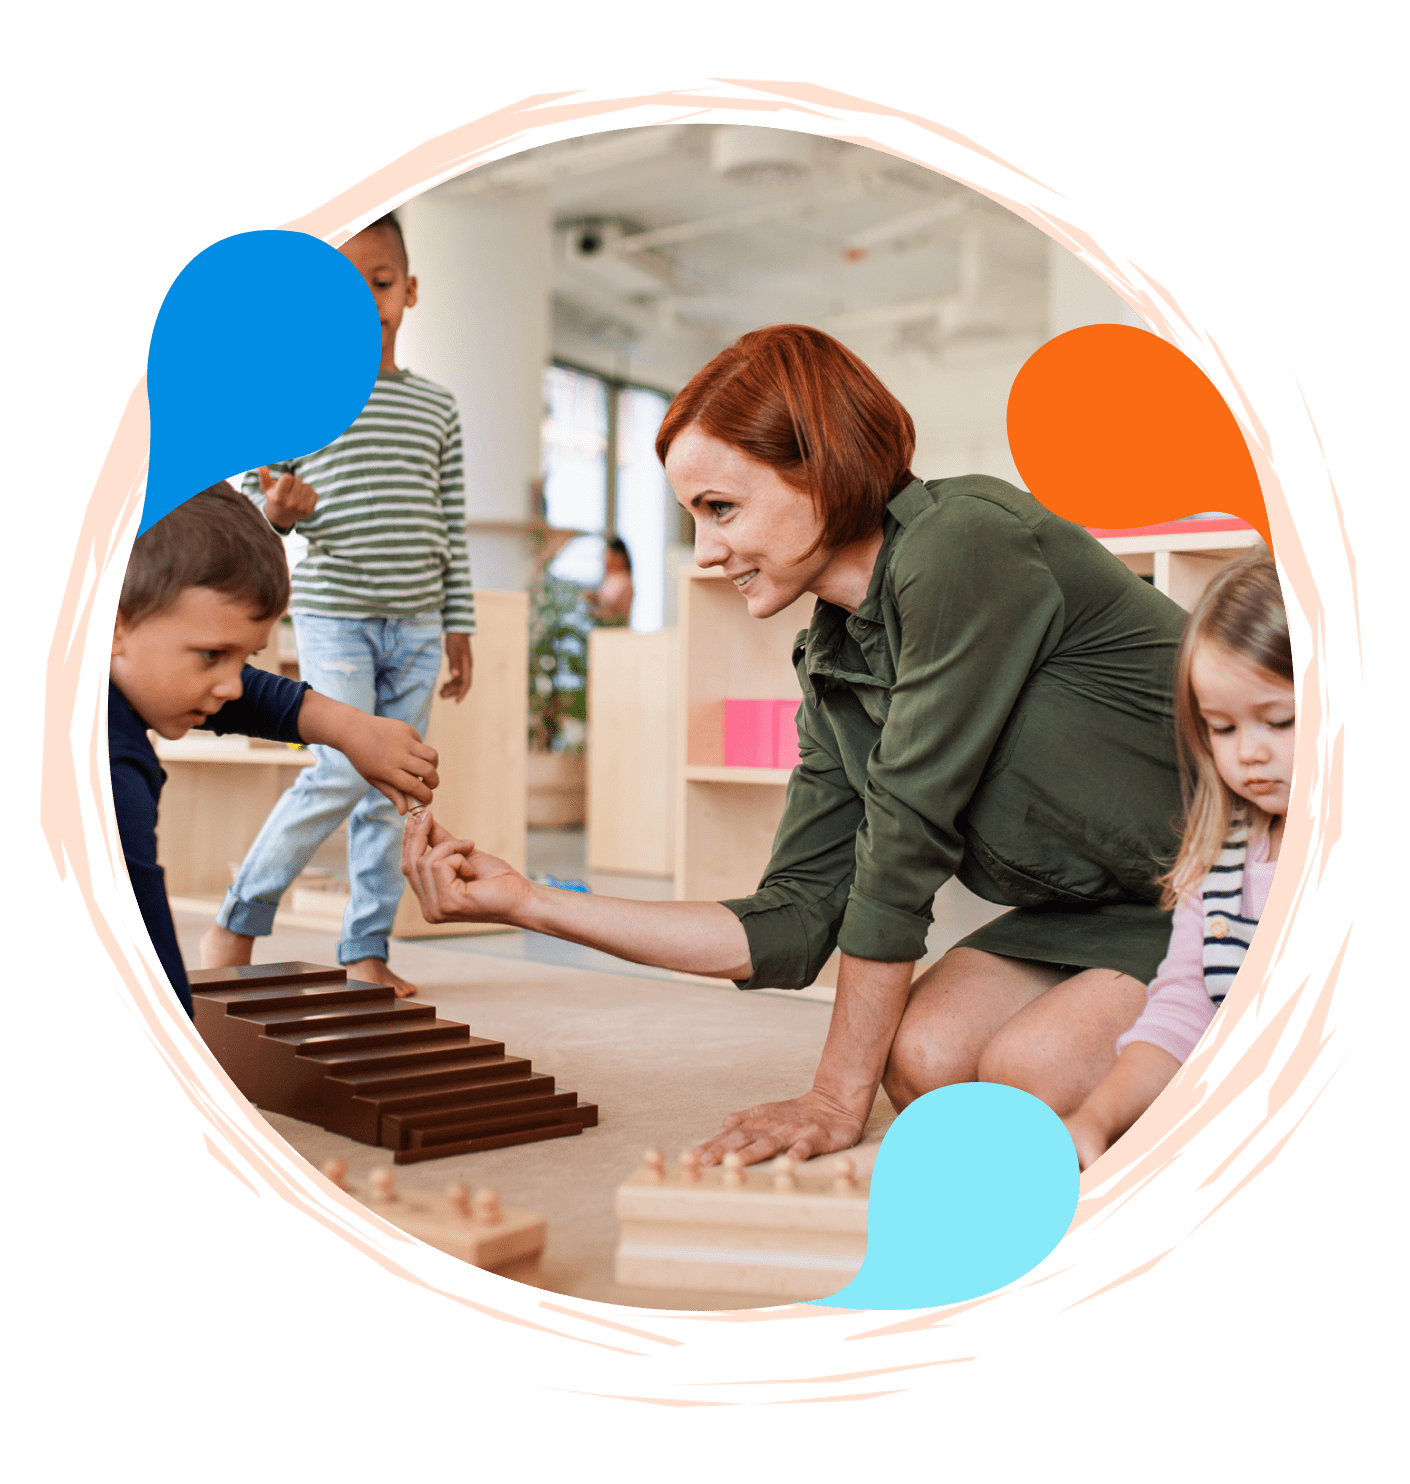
[558, 630]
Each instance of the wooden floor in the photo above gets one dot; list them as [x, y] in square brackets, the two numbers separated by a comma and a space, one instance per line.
[664, 1060]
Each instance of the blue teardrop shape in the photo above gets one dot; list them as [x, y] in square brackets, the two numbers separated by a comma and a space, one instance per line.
[974, 1185]
[265, 348]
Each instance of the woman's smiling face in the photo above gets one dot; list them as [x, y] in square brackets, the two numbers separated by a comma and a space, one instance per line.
[748, 520]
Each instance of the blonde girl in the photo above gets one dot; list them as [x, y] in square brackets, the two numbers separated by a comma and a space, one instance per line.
[1234, 734]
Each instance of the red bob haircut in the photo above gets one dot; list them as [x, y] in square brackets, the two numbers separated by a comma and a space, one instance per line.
[799, 401]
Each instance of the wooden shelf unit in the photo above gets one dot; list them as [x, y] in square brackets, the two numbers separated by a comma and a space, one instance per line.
[483, 744]
[722, 774]
[216, 798]
[726, 818]
[1180, 557]
[631, 751]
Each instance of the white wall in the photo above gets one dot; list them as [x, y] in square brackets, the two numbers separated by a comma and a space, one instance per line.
[958, 397]
[663, 357]
[1076, 296]
[958, 391]
[481, 328]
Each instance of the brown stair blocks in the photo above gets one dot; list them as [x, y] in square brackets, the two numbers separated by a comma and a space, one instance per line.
[306, 1040]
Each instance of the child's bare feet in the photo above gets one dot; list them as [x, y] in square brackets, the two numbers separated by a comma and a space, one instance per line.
[375, 971]
[222, 949]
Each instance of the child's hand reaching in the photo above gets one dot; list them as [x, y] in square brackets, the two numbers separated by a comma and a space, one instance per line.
[388, 753]
[1119, 1099]
[287, 499]
[391, 756]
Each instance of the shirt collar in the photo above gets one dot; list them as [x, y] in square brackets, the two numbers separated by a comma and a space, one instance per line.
[910, 502]
[830, 623]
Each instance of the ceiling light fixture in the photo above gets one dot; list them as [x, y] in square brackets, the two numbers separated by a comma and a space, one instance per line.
[761, 157]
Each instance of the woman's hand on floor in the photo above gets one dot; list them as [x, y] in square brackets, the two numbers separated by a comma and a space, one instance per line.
[800, 1128]
[455, 882]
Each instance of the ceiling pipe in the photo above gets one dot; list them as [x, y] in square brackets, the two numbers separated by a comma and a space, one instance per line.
[728, 221]
[856, 247]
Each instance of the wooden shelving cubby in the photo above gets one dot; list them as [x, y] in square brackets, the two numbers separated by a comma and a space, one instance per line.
[726, 817]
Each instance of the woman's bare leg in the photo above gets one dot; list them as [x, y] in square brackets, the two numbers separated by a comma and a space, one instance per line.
[1061, 1044]
[955, 1009]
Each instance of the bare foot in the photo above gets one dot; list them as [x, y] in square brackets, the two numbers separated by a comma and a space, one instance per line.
[375, 971]
[222, 949]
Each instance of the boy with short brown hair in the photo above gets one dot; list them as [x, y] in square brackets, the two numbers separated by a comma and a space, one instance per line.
[203, 588]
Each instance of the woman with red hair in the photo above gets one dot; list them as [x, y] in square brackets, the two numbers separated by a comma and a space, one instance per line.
[986, 695]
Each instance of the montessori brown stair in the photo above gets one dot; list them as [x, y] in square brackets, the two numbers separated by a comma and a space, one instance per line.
[308, 1041]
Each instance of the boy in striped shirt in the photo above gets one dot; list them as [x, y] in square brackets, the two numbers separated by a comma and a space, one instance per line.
[386, 575]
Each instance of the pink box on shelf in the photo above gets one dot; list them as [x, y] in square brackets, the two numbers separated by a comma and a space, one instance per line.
[786, 745]
[751, 732]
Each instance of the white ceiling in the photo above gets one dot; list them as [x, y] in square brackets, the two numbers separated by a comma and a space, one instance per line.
[807, 229]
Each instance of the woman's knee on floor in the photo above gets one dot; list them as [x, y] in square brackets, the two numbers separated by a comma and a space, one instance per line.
[920, 1061]
[1018, 1059]
[955, 1009]
[1063, 1044]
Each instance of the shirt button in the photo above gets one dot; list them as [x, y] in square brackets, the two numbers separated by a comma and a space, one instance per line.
[1218, 928]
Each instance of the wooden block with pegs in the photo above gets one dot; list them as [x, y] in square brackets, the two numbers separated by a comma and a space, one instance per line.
[474, 1228]
[781, 1231]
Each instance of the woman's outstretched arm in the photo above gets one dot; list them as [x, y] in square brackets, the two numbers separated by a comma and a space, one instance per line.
[455, 882]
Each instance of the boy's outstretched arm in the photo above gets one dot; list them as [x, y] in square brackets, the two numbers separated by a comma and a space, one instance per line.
[1118, 1100]
[388, 753]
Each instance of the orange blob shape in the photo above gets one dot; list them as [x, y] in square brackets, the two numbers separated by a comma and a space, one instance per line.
[1110, 426]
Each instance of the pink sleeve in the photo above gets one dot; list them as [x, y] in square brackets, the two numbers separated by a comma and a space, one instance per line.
[1178, 1007]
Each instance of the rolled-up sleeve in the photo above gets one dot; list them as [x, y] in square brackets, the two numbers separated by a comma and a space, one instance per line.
[978, 611]
[792, 920]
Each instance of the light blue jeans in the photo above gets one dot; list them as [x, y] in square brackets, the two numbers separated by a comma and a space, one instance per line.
[387, 666]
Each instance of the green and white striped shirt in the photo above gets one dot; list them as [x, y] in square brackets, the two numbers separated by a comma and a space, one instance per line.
[387, 538]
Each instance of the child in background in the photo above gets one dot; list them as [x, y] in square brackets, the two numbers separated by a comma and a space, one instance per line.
[386, 575]
[202, 590]
[611, 603]
[1234, 732]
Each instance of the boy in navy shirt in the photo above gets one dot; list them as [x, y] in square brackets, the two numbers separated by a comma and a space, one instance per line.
[204, 586]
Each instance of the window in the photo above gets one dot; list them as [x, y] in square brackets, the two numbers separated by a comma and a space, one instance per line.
[643, 497]
[601, 476]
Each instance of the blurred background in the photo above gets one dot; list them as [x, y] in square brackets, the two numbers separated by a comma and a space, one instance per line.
[569, 292]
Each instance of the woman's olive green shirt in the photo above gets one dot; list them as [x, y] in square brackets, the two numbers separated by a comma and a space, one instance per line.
[998, 709]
